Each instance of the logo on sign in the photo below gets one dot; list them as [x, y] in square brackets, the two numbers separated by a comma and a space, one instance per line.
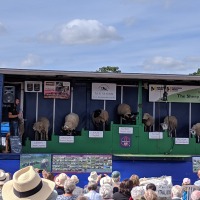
[125, 141]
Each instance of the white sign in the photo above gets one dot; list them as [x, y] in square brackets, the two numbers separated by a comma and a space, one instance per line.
[174, 93]
[126, 130]
[95, 134]
[33, 86]
[155, 135]
[66, 139]
[38, 144]
[181, 140]
[104, 91]
[164, 190]
[163, 185]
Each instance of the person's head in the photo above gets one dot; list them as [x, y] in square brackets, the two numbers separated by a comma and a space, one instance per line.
[17, 101]
[137, 192]
[93, 176]
[198, 173]
[151, 186]
[92, 185]
[69, 186]
[135, 179]
[106, 191]
[126, 186]
[115, 176]
[50, 176]
[60, 179]
[82, 197]
[195, 195]
[150, 195]
[74, 178]
[105, 180]
[27, 184]
[186, 181]
[4, 177]
[176, 191]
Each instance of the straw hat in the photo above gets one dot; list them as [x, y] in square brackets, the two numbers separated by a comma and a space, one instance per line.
[60, 179]
[4, 177]
[186, 181]
[93, 176]
[27, 185]
[75, 179]
[105, 180]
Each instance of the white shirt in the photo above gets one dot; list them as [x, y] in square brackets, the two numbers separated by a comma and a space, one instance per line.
[93, 195]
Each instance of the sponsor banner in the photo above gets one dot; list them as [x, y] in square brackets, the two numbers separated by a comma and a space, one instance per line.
[125, 140]
[174, 93]
[104, 91]
[57, 89]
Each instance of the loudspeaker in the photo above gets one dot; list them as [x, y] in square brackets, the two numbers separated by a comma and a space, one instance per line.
[9, 94]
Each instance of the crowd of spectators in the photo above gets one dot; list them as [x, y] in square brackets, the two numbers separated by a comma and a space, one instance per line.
[28, 184]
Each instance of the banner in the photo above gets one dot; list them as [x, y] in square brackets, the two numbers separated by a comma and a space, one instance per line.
[174, 93]
[57, 89]
[81, 163]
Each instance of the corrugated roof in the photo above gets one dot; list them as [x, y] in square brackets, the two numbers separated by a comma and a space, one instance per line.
[85, 74]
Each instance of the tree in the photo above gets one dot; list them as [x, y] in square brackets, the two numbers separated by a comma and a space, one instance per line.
[109, 69]
[196, 73]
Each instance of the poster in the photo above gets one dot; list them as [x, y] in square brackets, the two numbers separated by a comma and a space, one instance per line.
[174, 93]
[81, 163]
[57, 89]
[104, 91]
[40, 161]
[195, 164]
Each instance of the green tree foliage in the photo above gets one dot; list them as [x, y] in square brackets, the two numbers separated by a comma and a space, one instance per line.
[109, 69]
[196, 73]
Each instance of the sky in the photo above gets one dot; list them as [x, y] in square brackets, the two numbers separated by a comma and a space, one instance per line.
[138, 36]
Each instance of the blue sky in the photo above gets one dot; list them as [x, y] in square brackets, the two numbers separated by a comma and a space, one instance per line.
[138, 36]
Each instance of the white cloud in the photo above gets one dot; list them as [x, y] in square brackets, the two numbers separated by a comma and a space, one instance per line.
[2, 28]
[161, 64]
[31, 60]
[80, 32]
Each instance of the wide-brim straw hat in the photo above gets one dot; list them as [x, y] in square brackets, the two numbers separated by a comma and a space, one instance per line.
[75, 179]
[4, 177]
[93, 176]
[27, 185]
[60, 179]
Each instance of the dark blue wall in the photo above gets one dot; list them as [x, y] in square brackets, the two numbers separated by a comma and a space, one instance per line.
[177, 169]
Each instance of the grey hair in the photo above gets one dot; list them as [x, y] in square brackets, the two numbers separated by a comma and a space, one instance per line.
[69, 186]
[176, 191]
[106, 191]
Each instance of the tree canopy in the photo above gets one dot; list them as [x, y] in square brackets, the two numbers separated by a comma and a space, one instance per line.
[196, 73]
[109, 69]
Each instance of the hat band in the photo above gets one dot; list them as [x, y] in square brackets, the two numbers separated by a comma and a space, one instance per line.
[29, 192]
[3, 179]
